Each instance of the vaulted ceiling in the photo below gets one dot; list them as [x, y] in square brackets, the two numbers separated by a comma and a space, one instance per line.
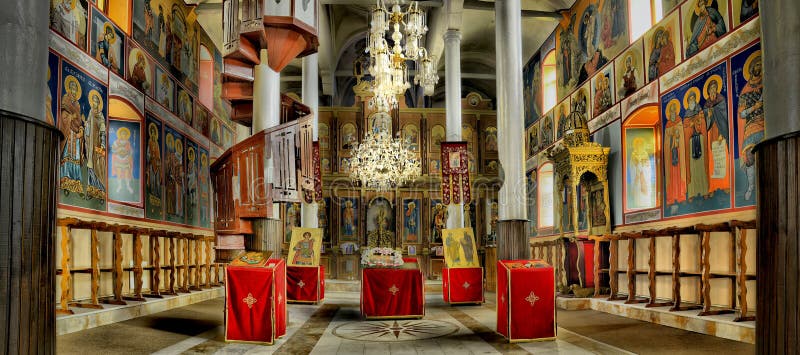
[343, 25]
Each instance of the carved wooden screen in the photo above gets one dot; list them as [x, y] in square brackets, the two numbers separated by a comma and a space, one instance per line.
[254, 192]
[306, 154]
[284, 160]
[223, 197]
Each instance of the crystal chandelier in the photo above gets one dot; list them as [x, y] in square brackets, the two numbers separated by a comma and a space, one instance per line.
[382, 163]
[388, 65]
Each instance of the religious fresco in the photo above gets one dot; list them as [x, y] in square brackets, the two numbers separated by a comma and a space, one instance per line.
[565, 222]
[490, 139]
[326, 165]
[491, 166]
[323, 218]
[165, 90]
[51, 99]
[411, 137]
[603, 93]
[324, 136]
[349, 136]
[580, 101]
[562, 113]
[437, 137]
[124, 162]
[662, 48]
[641, 171]
[154, 163]
[583, 207]
[598, 206]
[200, 121]
[532, 183]
[204, 188]
[348, 219]
[704, 22]
[304, 247]
[292, 218]
[221, 107]
[533, 140]
[344, 166]
[140, 69]
[167, 29]
[546, 132]
[70, 19]
[227, 137]
[438, 221]
[591, 33]
[630, 71]
[216, 131]
[380, 223]
[107, 43]
[532, 91]
[460, 248]
[434, 167]
[700, 106]
[191, 197]
[748, 120]
[82, 120]
[468, 135]
[380, 122]
[743, 10]
[174, 176]
[412, 225]
[184, 105]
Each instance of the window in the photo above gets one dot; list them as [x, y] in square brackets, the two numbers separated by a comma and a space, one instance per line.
[118, 11]
[205, 82]
[641, 17]
[641, 159]
[545, 198]
[549, 88]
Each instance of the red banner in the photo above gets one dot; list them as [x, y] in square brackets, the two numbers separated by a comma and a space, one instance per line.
[525, 300]
[392, 293]
[305, 283]
[463, 285]
[316, 195]
[255, 302]
[455, 173]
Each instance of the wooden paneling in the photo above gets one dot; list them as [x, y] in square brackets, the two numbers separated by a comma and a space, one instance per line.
[778, 216]
[28, 162]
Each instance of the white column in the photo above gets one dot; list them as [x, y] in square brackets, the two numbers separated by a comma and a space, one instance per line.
[309, 211]
[510, 130]
[266, 108]
[242, 132]
[452, 54]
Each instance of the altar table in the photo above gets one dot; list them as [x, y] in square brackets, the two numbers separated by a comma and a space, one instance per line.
[526, 303]
[305, 284]
[462, 285]
[255, 302]
[392, 293]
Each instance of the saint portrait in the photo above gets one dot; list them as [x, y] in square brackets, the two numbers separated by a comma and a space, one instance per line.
[184, 105]
[437, 137]
[546, 130]
[748, 109]
[140, 70]
[662, 47]
[743, 11]
[704, 22]
[305, 246]
[630, 73]
[603, 91]
[349, 139]
[174, 176]
[124, 161]
[165, 90]
[107, 43]
[153, 169]
[380, 122]
[349, 218]
[292, 218]
[411, 136]
[460, 248]
[640, 164]
[490, 139]
[70, 19]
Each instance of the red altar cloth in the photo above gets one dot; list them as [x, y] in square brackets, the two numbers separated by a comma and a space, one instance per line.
[392, 293]
[526, 303]
[305, 283]
[255, 302]
[462, 285]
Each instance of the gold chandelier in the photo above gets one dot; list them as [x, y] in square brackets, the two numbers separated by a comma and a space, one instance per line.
[388, 65]
[383, 163]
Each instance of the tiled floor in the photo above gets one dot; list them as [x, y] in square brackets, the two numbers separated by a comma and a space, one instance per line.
[335, 327]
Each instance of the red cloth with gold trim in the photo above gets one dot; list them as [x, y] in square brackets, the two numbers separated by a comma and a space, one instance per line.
[255, 302]
[525, 300]
[462, 285]
[455, 173]
[305, 283]
[392, 293]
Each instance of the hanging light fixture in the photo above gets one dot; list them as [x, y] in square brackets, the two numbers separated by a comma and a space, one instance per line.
[383, 163]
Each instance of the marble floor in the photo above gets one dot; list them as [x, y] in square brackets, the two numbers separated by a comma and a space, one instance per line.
[335, 327]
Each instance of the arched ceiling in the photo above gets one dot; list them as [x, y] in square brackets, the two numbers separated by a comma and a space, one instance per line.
[343, 25]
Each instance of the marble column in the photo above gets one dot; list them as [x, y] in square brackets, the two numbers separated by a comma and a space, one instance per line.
[778, 186]
[28, 185]
[267, 114]
[511, 229]
[452, 54]
[308, 211]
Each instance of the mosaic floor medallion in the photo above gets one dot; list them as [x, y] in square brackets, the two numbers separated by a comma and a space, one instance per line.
[395, 330]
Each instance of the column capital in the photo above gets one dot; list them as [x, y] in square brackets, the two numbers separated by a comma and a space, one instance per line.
[452, 35]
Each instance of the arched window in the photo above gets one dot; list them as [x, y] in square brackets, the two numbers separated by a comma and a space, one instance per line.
[549, 88]
[644, 14]
[118, 11]
[545, 198]
[641, 148]
[205, 80]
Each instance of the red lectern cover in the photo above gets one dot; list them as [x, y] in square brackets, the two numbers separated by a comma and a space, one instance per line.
[255, 302]
[392, 293]
[526, 300]
[305, 283]
[462, 285]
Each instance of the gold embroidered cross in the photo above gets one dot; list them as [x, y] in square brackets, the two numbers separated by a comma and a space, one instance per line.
[502, 299]
[249, 300]
[280, 298]
[394, 290]
[466, 285]
[301, 284]
[532, 298]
